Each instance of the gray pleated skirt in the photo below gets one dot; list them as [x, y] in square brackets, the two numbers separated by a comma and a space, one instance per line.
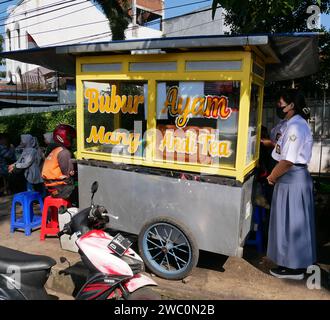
[291, 241]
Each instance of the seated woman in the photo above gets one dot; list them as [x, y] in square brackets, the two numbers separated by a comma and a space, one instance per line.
[29, 162]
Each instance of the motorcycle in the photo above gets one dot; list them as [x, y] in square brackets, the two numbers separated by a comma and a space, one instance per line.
[115, 269]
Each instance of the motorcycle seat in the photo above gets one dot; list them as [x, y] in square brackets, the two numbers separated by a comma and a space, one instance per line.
[10, 258]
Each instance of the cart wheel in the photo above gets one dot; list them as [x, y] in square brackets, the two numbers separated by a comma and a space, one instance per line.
[168, 249]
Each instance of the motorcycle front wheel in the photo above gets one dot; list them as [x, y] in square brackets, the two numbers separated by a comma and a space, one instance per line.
[144, 294]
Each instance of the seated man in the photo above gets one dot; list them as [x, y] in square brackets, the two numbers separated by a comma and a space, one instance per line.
[58, 170]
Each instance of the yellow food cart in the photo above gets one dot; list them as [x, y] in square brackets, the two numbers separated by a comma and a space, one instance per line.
[170, 128]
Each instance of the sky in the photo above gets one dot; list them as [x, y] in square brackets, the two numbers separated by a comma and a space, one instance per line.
[187, 6]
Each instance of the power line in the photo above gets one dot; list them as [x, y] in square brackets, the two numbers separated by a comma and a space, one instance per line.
[173, 7]
[198, 25]
[101, 35]
[64, 15]
[85, 24]
[12, 10]
[51, 11]
[94, 36]
[192, 27]
[2, 2]
[13, 16]
[60, 29]
[28, 11]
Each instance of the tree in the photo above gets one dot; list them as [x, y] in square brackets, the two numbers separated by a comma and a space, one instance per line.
[254, 16]
[270, 16]
[117, 12]
[2, 61]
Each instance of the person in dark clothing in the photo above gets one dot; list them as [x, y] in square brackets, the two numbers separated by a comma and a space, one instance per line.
[7, 155]
[29, 162]
[58, 170]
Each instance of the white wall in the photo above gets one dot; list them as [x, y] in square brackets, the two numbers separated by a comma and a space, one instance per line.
[199, 23]
[67, 97]
[38, 26]
[320, 161]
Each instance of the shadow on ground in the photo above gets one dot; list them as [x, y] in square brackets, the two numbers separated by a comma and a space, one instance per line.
[211, 261]
[79, 274]
[260, 261]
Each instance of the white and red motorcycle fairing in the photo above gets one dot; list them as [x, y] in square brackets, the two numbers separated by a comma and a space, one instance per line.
[94, 244]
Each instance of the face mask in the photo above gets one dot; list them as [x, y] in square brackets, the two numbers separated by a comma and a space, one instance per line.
[280, 113]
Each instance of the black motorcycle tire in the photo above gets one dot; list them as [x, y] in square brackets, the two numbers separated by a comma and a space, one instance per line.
[144, 293]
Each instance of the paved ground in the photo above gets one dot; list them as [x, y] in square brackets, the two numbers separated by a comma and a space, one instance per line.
[216, 277]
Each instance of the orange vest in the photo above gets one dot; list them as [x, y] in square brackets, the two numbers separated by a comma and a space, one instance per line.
[51, 171]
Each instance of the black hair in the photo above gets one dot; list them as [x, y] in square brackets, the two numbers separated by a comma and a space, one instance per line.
[298, 99]
[3, 136]
[264, 133]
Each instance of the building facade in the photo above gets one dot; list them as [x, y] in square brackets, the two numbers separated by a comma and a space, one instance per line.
[197, 23]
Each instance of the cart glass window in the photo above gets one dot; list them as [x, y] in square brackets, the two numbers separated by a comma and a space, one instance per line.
[253, 124]
[197, 122]
[115, 116]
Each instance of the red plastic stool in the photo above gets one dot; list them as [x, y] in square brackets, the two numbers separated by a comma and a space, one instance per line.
[51, 227]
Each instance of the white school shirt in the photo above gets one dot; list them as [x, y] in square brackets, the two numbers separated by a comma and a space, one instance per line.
[277, 131]
[296, 142]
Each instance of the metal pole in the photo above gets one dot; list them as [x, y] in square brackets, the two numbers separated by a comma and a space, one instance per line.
[322, 131]
[27, 92]
[134, 19]
[14, 75]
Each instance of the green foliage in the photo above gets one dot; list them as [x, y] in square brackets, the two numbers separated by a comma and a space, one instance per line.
[2, 61]
[281, 16]
[256, 16]
[116, 12]
[36, 124]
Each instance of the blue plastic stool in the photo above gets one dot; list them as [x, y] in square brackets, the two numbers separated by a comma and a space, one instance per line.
[28, 221]
[257, 218]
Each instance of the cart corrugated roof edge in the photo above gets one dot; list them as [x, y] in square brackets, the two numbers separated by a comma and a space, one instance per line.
[291, 55]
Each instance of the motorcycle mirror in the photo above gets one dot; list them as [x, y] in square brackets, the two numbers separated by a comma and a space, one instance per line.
[95, 186]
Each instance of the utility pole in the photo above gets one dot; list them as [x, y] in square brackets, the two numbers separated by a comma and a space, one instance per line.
[162, 16]
[323, 136]
[134, 19]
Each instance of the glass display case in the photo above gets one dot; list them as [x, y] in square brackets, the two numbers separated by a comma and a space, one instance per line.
[193, 112]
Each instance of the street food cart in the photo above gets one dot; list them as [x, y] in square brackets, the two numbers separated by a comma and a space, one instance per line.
[170, 128]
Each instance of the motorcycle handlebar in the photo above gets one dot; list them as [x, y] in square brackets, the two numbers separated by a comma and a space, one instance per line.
[97, 215]
[112, 216]
[66, 230]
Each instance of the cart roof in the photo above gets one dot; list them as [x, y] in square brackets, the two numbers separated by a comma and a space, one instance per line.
[288, 56]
